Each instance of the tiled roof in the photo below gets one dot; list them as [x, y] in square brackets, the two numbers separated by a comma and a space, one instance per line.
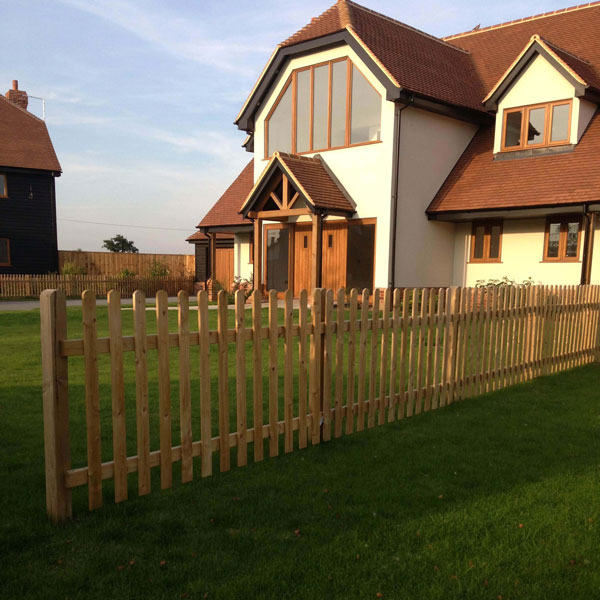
[573, 31]
[419, 62]
[321, 190]
[24, 140]
[478, 182]
[581, 67]
[578, 68]
[226, 210]
[461, 69]
[310, 177]
[197, 236]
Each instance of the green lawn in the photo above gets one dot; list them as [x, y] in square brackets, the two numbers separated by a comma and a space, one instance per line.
[496, 496]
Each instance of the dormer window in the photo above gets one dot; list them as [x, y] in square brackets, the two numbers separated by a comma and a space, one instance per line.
[537, 126]
[324, 107]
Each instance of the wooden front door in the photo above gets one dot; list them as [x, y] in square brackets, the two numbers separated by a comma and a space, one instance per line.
[335, 249]
[223, 271]
[302, 257]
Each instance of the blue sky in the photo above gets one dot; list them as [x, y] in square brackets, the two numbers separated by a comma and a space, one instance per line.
[141, 96]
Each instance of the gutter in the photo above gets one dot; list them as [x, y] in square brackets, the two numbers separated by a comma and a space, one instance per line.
[395, 187]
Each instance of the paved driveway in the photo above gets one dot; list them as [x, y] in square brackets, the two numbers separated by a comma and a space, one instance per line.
[125, 302]
[33, 304]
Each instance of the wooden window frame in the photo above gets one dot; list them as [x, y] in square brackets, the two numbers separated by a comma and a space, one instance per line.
[6, 264]
[4, 188]
[525, 110]
[564, 220]
[487, 235]
[293, 81]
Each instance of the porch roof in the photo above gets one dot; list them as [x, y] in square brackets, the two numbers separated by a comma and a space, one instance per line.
[311, 177]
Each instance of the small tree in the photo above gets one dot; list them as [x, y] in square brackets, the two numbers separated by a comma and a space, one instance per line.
[119, 243]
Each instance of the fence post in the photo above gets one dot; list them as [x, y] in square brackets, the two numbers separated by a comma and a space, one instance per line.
[452, 307]
[316, 366]
[596, 296]
[55, 394]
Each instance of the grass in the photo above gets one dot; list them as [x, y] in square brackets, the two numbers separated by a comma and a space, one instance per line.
[495, 496]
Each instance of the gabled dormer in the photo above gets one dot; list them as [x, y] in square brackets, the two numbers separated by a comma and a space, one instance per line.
[543, 102]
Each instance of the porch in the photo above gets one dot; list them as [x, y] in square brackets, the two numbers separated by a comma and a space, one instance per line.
[304, 236]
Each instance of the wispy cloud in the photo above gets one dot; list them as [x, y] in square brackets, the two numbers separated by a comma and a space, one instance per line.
[182, 38]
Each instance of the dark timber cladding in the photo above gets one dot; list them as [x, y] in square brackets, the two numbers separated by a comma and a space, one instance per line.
[29, 221]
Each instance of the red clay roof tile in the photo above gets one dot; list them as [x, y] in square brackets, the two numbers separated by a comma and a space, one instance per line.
[318, 184]
[461, 69]
[572, 30]
[478, 182]
[419, 62]
[25, 142]
[226, 210]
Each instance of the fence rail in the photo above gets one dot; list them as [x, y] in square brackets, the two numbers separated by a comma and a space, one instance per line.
[31, 286]
[114, 263]
[321, 371]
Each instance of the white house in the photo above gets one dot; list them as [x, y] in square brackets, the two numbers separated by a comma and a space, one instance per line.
[384, 156]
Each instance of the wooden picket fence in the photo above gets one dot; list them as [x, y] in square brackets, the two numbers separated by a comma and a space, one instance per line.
[345, 362]
[31, 286]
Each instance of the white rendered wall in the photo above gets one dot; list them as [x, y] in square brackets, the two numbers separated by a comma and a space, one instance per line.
[430, 145]
[522, 257]
[364, 171]
[241, 256]
[586, 112]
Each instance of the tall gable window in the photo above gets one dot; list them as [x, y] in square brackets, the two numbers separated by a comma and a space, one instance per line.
[3, 189]
[322, 107]
[536, 126]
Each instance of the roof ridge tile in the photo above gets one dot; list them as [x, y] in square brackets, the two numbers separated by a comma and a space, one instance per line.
[551, 13]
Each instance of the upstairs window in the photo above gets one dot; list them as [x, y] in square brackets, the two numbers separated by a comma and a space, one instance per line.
[3, 188]
[486, 241]
[562, 238]
[322, 107]
[537, 126]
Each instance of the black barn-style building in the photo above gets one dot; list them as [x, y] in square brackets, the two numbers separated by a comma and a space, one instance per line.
[28, 168]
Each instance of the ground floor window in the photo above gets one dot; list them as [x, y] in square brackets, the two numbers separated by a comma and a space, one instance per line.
[4, 252]
[561, 242]
[486, 241]
[361, 256]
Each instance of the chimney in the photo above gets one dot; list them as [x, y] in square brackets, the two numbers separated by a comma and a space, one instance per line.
[17, 96]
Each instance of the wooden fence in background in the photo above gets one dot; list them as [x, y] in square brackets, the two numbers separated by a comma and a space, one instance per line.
[320, 372]
[114, 263]
[31, 286]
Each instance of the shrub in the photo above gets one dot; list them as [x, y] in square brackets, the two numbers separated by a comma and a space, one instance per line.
[243, 284]
[70, 268]
[504, 282]
[158, 269]
[126, 273]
